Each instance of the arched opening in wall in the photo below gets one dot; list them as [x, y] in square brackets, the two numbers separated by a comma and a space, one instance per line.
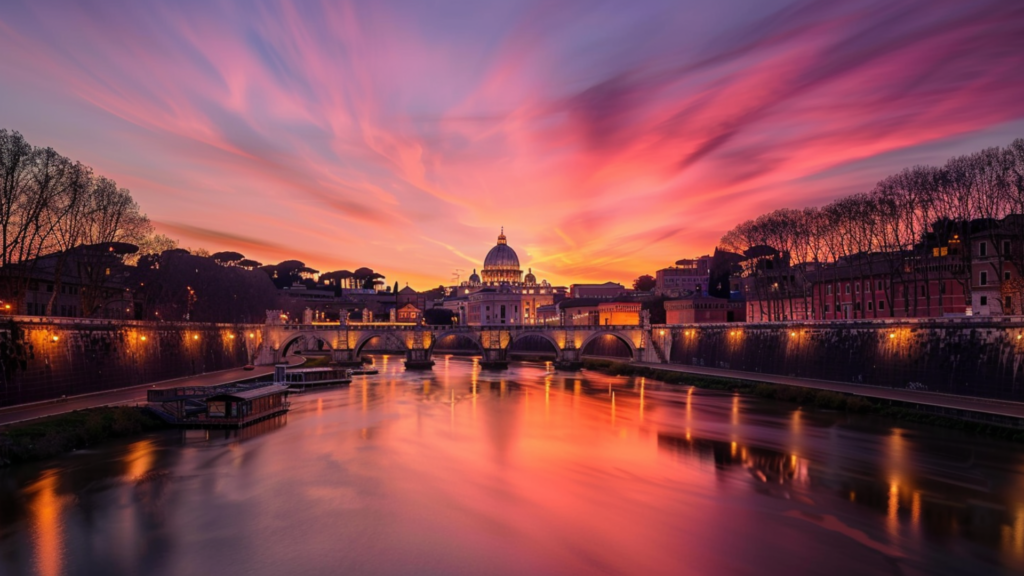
[457, 345]
[533, 346]
[608, 346]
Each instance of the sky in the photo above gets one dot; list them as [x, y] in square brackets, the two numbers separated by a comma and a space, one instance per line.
[609, 138]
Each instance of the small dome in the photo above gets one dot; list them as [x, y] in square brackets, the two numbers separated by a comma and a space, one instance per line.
[530, 279]
[474, 278]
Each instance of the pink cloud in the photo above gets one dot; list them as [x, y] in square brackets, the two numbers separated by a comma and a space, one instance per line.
[609, 141]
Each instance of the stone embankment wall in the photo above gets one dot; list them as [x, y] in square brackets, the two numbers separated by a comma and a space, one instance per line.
[44, 358]
[966, 356]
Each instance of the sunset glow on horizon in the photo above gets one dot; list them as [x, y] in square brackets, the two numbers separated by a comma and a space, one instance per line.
[609, 139]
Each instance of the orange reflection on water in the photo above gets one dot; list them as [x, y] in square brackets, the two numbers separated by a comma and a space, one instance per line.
[46, 518]
[1013, 536]
[892, 516]
[915, 508]
[139, 459]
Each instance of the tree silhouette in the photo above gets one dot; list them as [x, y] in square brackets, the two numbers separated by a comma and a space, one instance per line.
[644, 283]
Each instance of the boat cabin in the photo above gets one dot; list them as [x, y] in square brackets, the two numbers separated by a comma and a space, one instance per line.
[303, 377]
[246, 405]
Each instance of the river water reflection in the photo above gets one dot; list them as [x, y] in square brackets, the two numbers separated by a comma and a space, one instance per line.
[458, 471]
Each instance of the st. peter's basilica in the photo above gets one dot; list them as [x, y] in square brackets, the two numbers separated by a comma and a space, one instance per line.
[500, 294]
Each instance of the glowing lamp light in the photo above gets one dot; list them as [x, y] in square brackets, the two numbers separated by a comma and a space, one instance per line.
[195, 336]
[662, 332]
[251, 335]
[232, 336]
[792, 333]
[143, 338]
[892, 335]
[55, 338]
[1019, 336]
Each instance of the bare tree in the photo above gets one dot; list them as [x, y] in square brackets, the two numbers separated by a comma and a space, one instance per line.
[115, 218]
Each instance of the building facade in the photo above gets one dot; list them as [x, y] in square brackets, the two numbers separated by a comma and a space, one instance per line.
[688, 276]
[607, 290]
[704, 309]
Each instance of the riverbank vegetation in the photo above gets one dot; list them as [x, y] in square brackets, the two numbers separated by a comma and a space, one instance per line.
[808, 397]
[51, 436]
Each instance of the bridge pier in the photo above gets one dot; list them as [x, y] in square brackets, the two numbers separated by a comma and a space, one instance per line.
[569, 360]
[345, 358]
[494, 359]
[418, 359]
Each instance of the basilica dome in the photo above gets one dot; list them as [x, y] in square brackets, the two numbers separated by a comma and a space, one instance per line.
[501, 256]
[501, 264]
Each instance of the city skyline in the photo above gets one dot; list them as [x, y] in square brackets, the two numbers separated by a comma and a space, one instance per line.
[608, 142]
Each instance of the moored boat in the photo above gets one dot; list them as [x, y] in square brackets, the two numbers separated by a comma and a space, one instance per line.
[302, 378]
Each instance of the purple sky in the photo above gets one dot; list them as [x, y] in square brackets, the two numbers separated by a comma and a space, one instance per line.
[608, 138]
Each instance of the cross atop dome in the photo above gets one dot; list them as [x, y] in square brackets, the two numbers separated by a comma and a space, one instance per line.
[501, 237]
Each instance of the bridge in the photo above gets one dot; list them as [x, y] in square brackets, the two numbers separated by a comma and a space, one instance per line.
[345, 342]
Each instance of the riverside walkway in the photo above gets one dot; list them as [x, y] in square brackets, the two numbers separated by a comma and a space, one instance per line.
[131, 395]
[1003, 412]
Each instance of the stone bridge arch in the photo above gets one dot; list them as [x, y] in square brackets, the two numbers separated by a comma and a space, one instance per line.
[473, 336]
[516, 336]
[627, 339]
[292, 339]
[388, 336]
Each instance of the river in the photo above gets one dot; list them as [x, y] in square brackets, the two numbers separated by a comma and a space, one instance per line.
[528, 471]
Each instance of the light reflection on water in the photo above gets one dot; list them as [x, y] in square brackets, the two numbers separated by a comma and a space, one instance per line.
[458, 471]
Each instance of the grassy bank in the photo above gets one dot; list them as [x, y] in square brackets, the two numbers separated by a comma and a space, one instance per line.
[55, 435]
[809, 397]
